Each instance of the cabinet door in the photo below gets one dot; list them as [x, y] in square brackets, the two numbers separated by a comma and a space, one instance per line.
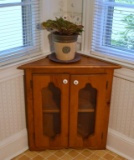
[87, 107]
[50, 94]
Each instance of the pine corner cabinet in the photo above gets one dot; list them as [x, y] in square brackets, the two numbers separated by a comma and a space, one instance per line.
[67, 105]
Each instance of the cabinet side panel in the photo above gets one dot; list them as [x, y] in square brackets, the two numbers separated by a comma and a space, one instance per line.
[29, 108]
[109, 80]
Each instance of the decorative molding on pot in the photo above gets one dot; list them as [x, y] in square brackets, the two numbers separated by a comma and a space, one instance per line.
[120, 144]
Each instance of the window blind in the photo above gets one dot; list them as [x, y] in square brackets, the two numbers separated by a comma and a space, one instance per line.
[19, 36]
[113, 29]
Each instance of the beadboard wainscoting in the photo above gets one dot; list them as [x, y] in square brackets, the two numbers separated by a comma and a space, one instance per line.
[13, 134]
[121, 124]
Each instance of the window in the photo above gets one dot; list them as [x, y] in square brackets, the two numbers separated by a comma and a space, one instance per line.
[113, 34]
[19, 36]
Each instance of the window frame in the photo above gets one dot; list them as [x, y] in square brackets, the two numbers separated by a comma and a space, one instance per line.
[109, 13]
[87, 47]
[16, 54]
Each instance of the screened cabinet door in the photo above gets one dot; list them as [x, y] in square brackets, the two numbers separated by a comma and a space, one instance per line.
[87, 107]
[50, 94]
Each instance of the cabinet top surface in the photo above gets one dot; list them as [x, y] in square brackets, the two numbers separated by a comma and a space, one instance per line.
[84, 62]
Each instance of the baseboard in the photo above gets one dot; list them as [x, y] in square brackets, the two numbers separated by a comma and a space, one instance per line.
[120, 144]
[17, 144]
[13, 145]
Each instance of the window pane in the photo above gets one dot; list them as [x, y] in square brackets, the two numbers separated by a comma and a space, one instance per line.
[9, 1]
[123, 28]
[121, 1]
[19, 36]
[113, 30]
[11, 32]
[125, 1]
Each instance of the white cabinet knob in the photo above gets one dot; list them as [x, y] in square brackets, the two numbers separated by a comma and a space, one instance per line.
[76, 82]
[65, 81]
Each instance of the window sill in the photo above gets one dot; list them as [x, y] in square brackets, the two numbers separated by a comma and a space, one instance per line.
[16, 64]
[11, 71]
[113, 60]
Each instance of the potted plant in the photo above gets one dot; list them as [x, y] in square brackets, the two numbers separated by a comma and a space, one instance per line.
[64, 34]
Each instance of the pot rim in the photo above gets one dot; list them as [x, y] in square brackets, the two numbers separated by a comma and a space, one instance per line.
[64, 38]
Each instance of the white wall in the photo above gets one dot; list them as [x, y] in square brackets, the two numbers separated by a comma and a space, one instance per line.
[13, 135]
[121, 123]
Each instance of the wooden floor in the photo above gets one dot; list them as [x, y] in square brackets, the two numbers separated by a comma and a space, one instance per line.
[69, 154]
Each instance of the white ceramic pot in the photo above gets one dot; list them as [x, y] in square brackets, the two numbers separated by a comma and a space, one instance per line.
[65, 46]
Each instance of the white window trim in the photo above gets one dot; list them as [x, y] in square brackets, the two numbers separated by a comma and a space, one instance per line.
[87, 37]
[45, 46]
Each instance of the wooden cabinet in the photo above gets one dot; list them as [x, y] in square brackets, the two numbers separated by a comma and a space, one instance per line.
[68, 104]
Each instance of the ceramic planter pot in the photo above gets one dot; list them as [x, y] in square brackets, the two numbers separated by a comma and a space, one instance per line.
[65, 46]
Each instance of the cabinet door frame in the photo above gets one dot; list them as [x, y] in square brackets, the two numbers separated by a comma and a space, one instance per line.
[97, 81]
[40, 81]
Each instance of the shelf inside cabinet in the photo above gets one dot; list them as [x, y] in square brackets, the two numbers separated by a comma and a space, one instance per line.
[51, 111]
[86, 110]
